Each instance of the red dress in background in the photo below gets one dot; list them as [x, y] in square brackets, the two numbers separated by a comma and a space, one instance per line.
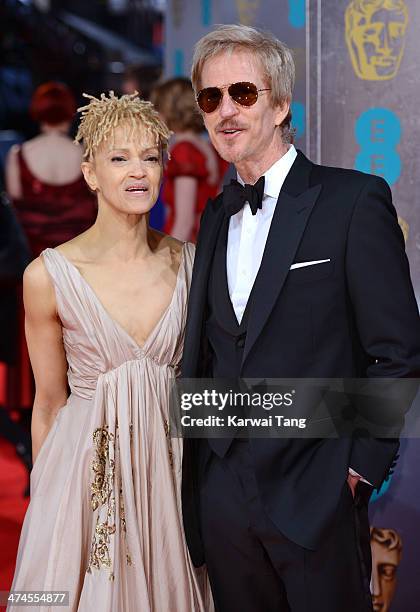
[49, 215]
[188, 160]
[52, 214]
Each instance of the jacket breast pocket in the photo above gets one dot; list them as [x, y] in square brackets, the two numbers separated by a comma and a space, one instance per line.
[311, 273]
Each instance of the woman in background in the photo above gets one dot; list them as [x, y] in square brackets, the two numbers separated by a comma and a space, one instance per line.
[50, 197]
[194, 171]
[43, 176]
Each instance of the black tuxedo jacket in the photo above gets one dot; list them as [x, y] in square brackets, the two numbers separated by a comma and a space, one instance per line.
[354, 316]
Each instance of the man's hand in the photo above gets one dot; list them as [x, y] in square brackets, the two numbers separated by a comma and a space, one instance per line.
[352, 482]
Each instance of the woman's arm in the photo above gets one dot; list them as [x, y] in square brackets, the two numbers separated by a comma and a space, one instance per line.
[46, 351]
[185, 188]
[12, 174]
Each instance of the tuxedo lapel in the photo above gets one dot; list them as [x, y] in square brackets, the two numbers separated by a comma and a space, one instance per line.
[209, 230]
[293, 209]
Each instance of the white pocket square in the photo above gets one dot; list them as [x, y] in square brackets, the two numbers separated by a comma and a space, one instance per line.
[303, 264]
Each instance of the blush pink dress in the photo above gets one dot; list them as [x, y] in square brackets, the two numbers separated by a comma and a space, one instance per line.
[104, 521]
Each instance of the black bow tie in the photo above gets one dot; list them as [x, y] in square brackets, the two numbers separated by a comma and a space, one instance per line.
[235, 195]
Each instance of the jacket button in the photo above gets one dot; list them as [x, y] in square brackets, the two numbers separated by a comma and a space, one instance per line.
[240, 342]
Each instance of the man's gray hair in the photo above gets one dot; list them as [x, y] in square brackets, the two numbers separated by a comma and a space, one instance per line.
[275, 57]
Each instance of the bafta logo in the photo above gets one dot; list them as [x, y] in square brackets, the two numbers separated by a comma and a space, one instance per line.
[375, 37]
[386, 546]
[247, 11]
[405, 228]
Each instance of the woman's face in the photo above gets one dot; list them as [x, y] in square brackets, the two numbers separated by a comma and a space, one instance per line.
[126, 171]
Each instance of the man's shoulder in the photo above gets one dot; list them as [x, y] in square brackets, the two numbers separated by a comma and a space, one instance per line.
[345, 176]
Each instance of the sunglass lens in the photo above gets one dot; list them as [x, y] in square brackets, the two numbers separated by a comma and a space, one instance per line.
[245, 94]
[208, 99]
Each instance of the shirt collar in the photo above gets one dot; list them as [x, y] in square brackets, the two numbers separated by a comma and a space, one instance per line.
[276, 174]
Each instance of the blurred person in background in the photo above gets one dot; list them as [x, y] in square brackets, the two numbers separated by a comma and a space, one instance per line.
[14, 257]
[194, 171]
[43, 176]
[50, 197]
[140, 79]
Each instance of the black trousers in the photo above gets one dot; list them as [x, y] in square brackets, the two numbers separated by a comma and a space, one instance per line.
[254, 568]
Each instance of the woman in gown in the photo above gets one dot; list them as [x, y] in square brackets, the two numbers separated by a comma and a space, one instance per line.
[105, 315]
[43, 176]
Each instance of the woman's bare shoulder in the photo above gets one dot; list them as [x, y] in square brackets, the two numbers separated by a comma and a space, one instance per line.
[38, 289]
[13, 151]
[63, 143]
[170, 248]
[36, 273]
[160, 241]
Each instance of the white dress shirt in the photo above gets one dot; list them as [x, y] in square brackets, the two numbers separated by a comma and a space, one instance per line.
[248, 233]
[247, 237]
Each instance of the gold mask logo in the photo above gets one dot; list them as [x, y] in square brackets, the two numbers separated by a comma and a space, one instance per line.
[405, 228]
[247, 11]
[375, 37]
[386, 546]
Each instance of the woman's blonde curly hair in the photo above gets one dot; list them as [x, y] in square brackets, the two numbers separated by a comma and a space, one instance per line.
[102, 115]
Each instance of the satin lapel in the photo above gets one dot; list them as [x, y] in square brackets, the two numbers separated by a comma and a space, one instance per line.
[199, 285]
[287, 227]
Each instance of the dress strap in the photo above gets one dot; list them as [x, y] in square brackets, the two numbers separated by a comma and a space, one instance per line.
[69, 290]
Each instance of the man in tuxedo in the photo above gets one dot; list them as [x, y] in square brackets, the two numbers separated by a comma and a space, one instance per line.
[300, 272]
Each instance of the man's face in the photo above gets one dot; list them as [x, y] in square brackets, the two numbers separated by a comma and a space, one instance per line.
[384, 568]
[255, 138]
[375, 39]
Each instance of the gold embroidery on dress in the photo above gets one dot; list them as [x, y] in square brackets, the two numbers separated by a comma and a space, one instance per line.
[103, 499]
[170, 451]
[124, 527]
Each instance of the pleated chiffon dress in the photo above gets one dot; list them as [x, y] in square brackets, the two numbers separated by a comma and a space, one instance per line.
[104, 521]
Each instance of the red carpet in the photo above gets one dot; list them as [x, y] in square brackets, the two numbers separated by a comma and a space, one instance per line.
[12, 511]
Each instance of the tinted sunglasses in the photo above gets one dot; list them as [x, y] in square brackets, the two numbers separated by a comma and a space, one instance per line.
[243, 93]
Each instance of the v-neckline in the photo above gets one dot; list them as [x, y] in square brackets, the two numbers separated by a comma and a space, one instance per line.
[116, 324]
